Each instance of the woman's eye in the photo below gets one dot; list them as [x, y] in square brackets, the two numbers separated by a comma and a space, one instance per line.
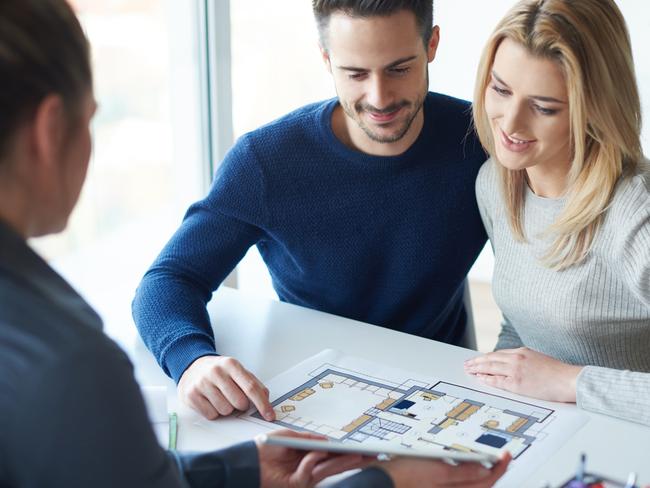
[500, 91]
[545, 111]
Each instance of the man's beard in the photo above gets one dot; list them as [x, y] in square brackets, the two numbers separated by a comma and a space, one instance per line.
[355, 114]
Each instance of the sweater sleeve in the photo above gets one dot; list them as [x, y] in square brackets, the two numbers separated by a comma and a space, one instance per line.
[169, 308]
[485, 188]
[619, 393]
[632, 242]
[234, 467]
[622, 393]
[81, 421]
[508, 337]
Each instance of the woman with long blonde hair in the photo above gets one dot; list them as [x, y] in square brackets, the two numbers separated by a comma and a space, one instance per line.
[565, 199]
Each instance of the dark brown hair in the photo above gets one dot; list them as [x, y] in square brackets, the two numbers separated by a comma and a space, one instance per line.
[422, 9]
[43, 51]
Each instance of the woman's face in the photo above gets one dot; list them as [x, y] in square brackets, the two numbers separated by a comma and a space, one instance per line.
[526, 102]
[75, 159]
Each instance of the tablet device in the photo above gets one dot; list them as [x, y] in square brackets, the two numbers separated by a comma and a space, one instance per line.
[379, 449]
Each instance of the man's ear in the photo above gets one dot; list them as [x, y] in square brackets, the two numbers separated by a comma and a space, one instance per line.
[432, 45]
[326, 58]
[48, 130]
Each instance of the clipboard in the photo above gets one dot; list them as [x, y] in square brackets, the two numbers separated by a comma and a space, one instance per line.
[380, 450]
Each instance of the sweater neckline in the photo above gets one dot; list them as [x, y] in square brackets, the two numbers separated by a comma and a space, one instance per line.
[542, 202]
[359, 157]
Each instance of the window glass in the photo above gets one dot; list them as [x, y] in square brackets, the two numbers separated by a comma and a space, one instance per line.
[146, 165]
[276, 67]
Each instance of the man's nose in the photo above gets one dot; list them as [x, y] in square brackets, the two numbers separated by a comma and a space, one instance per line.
[379, 94]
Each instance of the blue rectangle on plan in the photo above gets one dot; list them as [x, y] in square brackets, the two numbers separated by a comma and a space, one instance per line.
[492, 440]
[404, 404]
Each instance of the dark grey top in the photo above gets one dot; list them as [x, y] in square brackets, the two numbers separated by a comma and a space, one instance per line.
[71, 413]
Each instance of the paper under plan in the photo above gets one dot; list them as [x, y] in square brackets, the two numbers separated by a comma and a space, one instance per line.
[356, 401]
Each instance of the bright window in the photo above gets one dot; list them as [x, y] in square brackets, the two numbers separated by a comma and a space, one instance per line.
[147, 164]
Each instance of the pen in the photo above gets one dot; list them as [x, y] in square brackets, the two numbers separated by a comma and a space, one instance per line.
[579, 479]
[580, 474]
[631, 481]
[173, 428]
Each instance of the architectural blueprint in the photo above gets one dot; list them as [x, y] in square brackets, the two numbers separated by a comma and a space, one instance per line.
[356, 401]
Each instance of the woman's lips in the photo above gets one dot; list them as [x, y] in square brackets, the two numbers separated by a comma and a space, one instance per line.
[514, 144]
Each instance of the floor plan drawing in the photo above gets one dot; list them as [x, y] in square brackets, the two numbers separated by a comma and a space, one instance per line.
[353, 400]
[351, 407]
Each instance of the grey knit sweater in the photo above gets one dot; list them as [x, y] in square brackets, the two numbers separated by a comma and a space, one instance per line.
[596, 313]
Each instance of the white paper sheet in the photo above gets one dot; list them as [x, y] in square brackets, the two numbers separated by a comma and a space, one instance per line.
[354, 400]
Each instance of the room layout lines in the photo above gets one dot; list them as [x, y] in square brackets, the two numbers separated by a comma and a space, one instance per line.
[354, 407]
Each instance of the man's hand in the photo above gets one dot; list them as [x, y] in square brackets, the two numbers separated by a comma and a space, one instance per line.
[282, 467]
[421, 473]
[217, 385]
[526, 372]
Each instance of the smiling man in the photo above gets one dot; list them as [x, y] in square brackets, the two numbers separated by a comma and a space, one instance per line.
[379, 66]
[361, 206]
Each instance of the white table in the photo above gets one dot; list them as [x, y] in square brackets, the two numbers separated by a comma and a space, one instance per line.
[269, 337]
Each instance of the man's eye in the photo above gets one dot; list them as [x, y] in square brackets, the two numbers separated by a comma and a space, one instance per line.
[400, 71]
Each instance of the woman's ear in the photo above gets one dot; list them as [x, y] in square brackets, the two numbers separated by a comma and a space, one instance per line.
[48, 131]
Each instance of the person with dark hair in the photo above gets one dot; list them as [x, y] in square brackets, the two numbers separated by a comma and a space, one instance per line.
[361, 206]
[324, 9]
[71, 413]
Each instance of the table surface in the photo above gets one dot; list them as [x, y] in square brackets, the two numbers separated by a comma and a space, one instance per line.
[269, 337]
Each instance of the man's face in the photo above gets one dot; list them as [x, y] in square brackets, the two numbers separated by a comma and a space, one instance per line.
[379, 65]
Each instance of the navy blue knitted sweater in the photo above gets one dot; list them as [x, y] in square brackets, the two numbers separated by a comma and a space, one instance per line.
[384, 240]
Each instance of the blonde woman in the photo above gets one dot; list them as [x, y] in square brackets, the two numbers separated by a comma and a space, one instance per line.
[565, 200]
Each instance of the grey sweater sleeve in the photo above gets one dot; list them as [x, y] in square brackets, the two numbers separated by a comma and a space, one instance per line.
[621, 393]
[82, 422]
[485, 186]
[631, 247]
[508, 337]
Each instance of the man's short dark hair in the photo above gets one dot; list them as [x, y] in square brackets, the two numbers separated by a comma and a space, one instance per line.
[422, 9]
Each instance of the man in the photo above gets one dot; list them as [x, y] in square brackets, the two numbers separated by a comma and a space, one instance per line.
[362, 206]
[71, 413]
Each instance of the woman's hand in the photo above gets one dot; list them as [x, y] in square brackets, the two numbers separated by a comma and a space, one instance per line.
[526, 372]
